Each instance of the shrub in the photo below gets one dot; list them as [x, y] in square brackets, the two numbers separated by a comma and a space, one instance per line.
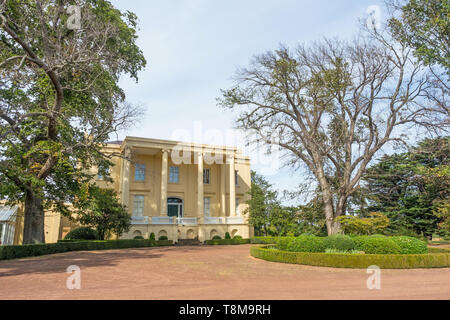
[265, 240]
[340, 242]
[216, 238]
[440, 258]
[163, 238]
[227, 235]
[233, 241]
[341, 251]
[305, 243]
[377, 245]
[152, 236]
[410, 245]
[138, 238]
[237, 237]
[30, 250]
[283, 242]
[82, 233]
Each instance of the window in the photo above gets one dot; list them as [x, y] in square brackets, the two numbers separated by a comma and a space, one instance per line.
[174, 175]
[206, 176]
[138, 206]
[207, 206]
[139, 172]
[236, 177]
[237, 207]
[103, 172]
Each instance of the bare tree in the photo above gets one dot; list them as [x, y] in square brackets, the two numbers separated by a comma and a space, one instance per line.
[333, 105]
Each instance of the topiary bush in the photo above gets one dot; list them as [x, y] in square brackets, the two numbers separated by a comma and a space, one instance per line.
[237, 237]
[306, 243]
[410, 245]
[227, 235]
[283, 242]
[138, 238]
[163, 238]
[216, 238]
[152, 236]
[82, 233]
[377, 245]
[340, 242]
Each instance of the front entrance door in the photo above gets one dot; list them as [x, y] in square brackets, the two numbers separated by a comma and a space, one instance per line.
[174, 207]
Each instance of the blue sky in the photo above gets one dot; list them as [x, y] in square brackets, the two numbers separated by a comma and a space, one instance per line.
[193, 48]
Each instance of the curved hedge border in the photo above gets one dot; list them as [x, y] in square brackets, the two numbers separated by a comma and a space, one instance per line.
[227, 242]
[438, 258]
[31, 250]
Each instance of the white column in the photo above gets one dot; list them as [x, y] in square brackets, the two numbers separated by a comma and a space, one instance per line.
[200, 194]
[223, 191]
[126, 177]
[164, 178]
[232, 187]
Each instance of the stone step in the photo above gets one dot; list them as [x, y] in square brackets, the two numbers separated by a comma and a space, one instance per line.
[188, 242]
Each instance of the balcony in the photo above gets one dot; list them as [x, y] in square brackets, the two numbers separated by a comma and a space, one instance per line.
[187, 221]
[139, 220]
[214, 220]
[162, 220]
[235, 220]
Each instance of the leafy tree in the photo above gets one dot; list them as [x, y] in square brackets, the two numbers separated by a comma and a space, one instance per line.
[424, 25]
[311, 218]
[283, 221]
[262, 200]
[375, 223]
[60, 99]
[102, 210]
[408, 187]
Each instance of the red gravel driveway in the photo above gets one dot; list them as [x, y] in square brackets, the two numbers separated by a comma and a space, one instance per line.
[207, 272]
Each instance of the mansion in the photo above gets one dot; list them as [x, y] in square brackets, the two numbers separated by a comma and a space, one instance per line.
[184, 191]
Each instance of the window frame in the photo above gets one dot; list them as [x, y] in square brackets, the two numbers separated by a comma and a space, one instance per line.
[140, 168]
[172, 174]
[208, 181]
[135, 197]
[205, 212]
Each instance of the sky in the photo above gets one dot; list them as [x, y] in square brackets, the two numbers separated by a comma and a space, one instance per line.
[193, 48]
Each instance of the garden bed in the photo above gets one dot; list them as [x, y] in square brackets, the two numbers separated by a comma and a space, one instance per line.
[437, 258]
[31, 250]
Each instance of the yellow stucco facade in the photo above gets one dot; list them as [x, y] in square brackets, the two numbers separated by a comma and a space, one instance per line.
[158, 178]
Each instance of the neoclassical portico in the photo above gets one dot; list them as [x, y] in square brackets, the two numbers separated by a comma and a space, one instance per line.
[201, 183]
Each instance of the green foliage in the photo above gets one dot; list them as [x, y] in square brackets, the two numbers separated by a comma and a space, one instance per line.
[225, 242]
[227, 235]
[163, 238]
[377, 245]
[341, 251]
[138, 238]
[265, 240]
[103, 211]
[237, 237]
[30, 250]
[217, 237]
[305, 243]
[376, 222]
[409, 245]
[82, 233]
[439, 258]
[340, 242]
[152, 236]
[410, 187]
[424, 25]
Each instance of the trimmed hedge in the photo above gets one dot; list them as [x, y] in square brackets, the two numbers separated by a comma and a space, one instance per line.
[340, 242]
[226, 242]
[30, 250]
[82, 233]
[356, 261]
[266, 240]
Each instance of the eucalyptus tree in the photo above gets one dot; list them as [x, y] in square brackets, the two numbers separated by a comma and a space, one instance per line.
[60, 64]
[333, 105]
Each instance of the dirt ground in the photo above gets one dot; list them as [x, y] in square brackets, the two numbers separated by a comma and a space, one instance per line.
[207, 272]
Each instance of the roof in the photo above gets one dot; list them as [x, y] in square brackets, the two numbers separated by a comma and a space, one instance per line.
[8, 213]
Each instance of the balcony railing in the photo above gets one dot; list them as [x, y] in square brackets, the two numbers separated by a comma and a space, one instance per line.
[139, 220]
[162, 220]
[214, 220]
[187, 221]
[235, 220]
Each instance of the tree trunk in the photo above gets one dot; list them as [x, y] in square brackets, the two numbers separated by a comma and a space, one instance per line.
[34, 219]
